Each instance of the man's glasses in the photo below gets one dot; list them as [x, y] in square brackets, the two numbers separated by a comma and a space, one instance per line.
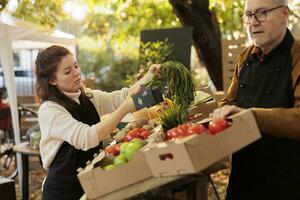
[259, 15]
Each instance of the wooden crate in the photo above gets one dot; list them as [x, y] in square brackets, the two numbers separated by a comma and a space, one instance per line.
[230, 51]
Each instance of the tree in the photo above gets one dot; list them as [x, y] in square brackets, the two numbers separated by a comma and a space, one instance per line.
[206, 35]
[44, 12]
[115, 25]
[228, 14]
[118, 21]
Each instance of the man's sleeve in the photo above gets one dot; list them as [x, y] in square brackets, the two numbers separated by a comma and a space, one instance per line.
[283, 122]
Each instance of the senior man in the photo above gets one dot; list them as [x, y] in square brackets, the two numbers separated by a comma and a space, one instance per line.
[266, 80]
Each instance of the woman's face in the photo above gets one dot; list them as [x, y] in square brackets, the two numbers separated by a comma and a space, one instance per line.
[68, 75]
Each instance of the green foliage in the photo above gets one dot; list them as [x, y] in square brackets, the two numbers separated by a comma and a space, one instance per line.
[91, 58]
[151, 53]
[116, 74]
[44, 12]
[172, 116]
[228, 15]
[119, 22]
[128, 17]
[154, 52]
[116, 25]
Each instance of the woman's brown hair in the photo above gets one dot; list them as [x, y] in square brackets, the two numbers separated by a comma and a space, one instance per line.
[47, 63]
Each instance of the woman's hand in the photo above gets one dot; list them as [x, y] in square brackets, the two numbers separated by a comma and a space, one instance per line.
[221, 113]
[155, 70]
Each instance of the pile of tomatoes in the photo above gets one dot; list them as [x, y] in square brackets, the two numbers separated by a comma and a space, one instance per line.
[214, 127]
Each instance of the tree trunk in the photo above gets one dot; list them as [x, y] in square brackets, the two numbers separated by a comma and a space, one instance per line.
[206, 35]
[3, 4]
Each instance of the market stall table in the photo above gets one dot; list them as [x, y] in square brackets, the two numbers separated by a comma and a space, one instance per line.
[25, 150]
[151, 187]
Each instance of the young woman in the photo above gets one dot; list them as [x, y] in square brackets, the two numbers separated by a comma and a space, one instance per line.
[69, 119]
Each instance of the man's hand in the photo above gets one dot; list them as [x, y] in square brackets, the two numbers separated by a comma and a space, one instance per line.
[224, 111]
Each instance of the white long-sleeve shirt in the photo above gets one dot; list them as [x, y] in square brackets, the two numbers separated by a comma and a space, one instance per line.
[57, 124]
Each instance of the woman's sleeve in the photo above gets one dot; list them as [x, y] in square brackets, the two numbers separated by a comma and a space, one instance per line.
[56, 122]
[107, 102]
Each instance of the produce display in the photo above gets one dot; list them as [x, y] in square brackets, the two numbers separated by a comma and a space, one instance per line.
[143, 150]
[130, 140]
[179, 94]
[137, 133]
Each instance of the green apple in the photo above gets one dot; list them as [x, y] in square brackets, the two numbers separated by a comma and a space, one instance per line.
[131, 149]
[120, 159]
[123, 147]
[109, 167]
[137, 140]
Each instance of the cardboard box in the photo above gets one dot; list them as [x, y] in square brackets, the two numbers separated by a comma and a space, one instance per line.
[96, 182]
[204, 108]
[197, 152]
[219, 95]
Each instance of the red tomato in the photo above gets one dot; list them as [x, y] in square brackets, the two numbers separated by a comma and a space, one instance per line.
[140, 130]
[173, 133]
[184, 129]
[216, 126]
[197, 129]
[145, 134]
[134, 133]
[129, 137]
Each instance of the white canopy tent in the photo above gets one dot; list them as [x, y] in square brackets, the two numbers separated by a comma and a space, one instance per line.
[16, 33]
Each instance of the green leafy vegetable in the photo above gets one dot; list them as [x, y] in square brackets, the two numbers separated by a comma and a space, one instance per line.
[176, 83]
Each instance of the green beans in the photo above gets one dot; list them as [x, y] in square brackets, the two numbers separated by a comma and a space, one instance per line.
[176, 83]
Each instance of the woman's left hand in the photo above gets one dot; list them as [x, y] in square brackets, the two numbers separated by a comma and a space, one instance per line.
[155, 70]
